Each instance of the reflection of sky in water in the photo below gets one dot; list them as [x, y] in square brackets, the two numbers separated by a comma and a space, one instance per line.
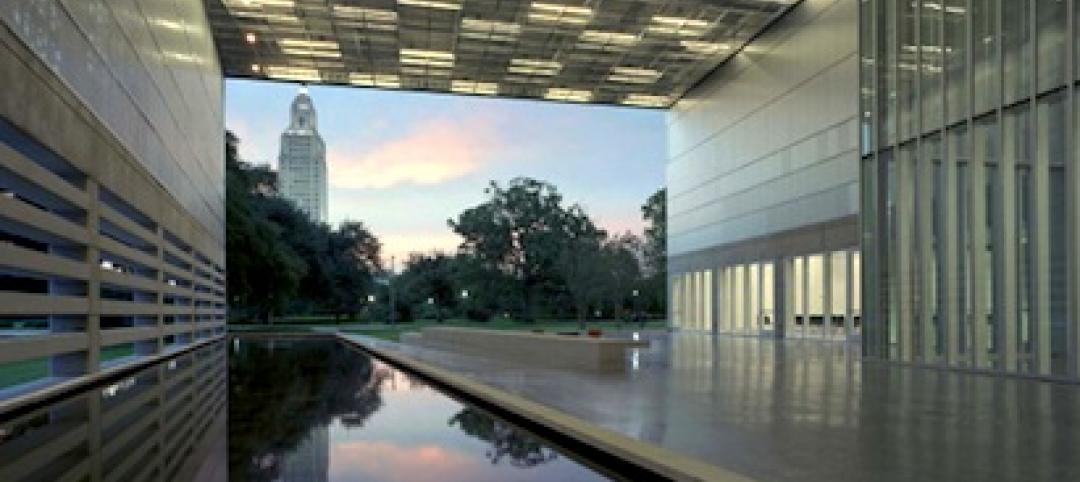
[411, 439]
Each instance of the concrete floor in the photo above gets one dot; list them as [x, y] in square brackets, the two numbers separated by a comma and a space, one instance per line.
[810, 410]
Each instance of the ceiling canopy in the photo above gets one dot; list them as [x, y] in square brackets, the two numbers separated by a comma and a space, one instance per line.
[645, 53]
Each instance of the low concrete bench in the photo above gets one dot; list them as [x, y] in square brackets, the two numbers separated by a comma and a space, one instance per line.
[539, 349]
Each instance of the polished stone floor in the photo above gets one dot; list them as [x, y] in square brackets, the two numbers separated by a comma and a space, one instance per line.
[810, 410]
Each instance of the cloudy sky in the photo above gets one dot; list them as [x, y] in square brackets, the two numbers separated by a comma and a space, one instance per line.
[403, 163]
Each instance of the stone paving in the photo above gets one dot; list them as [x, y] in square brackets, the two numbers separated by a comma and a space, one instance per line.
[808, 410]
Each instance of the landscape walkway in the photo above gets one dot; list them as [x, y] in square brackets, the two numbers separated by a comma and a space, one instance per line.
[808, 410]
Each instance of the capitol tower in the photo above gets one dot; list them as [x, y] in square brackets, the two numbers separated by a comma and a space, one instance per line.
[302, 161]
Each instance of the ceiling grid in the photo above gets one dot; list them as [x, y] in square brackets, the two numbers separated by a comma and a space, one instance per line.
[644, 53]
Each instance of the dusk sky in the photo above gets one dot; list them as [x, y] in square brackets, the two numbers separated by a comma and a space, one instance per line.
[403, 163]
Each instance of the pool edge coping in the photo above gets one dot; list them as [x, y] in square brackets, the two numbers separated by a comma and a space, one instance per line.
[659, 460]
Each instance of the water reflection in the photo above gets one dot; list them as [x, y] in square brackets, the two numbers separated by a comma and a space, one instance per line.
[506, 441]
[318, 411]
[165, 422]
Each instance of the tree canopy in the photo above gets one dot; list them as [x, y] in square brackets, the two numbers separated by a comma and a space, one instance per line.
[280, 260]
[525, 252]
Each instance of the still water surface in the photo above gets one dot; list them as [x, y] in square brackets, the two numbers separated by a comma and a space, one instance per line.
[288, 410]
[320, 411]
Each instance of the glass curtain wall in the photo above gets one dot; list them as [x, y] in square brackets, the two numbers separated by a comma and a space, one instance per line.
[825, 301]
[969, 184]
[692, 297]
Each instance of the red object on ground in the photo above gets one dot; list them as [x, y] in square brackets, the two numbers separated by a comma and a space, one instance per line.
[594, 333]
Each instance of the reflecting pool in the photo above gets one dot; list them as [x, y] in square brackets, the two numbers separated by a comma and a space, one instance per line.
[272, 409]
[313, 410]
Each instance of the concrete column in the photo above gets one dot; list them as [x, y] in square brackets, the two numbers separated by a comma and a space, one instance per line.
[905, 205]
[747, 321]
[805, 305]
[721, 300]
[1040, 242]
[826, 295]
[714, 293]
[979, 267]
[671, 286]
[1072, 198]
[950, 310]
[93, 285]
[849, 293]
[759, 318]
[94, 438]
[1004, 249]
[781, 296]
[924, 264]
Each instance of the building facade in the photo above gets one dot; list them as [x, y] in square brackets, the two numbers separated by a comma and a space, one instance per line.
[763, 184]
[302, 161]
[970, 180]
[111, 184]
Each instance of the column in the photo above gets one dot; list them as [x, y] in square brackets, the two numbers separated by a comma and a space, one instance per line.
[1004, 249]
[849, 293]
[905, 194]
[950, 310]
[924, 205]
[980, 270]
[759, 318]
[804, 310]
[747, 301]
[826, 295]
[1072, 189]
[93, 285]
[714, 293]
[781, 295]
[1040, 241]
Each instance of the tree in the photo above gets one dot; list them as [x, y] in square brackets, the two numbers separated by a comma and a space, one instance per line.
[279, 259]
[654, 212]
[523, 449]
[263, 273]
[354, 252]
[621, 255]
[581, 263]
[518, 231]
[430, 278]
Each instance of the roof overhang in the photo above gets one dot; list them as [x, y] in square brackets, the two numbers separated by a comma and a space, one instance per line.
[644, 53]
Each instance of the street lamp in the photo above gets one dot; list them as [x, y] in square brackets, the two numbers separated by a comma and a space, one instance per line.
[465, 294]
[637, 314]
[431, 301]
[370, 298]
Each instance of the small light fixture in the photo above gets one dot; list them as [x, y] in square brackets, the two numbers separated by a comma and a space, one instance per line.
[250, 37]
[254, 67]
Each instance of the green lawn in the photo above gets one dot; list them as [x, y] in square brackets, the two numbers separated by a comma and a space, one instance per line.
[29, 370]
[20, 372]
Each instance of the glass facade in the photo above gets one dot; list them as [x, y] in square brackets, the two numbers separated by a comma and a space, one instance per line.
[969, 183]
[821, 291]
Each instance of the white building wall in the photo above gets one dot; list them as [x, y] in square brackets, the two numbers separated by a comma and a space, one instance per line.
[768, 143]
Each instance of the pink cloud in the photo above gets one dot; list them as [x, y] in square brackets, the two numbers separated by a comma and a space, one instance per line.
[435, 151]
[402, 243]
[391, 462]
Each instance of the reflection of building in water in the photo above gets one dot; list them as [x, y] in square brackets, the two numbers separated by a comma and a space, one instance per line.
[385, 378]
[310, 461]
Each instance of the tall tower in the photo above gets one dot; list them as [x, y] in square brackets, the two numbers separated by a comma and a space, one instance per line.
[302, 161]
